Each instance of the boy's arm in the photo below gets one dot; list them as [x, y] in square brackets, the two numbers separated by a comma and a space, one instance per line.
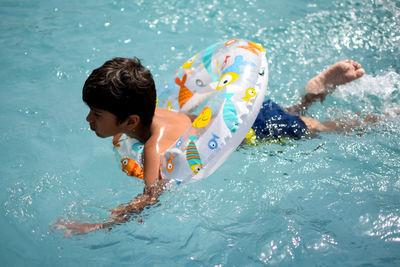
[154, 185]
[120, 214]
[123, 212]
[149, 197]
[152, 161]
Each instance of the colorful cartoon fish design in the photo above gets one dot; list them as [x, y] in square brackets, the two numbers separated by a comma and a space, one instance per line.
[138, 147]
[231, 41]
[170, 164]
[251, 137]
[207, 59]
[212, 143]
[179, 142]
[203, 119]
[225, 61]
[184, 93]
[252, 47]
[132, 168]
[169, 105]
[189, 63]
[115, 140]
[229, 113]
[235, 67]
[227, 79]
[250, 93]
[192, 156]
[257, 46]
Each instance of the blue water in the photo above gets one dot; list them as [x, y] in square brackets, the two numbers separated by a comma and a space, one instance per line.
[333, 200]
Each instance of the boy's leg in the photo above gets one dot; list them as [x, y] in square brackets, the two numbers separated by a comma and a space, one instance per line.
[316, 89]
[324, 83]
[329, 126]
[339, 124]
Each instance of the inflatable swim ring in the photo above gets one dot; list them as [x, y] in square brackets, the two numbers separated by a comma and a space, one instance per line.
[222, 88]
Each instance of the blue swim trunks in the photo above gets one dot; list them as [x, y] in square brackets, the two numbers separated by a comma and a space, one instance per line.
[273, 121]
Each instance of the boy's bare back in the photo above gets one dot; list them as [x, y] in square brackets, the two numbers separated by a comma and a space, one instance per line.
[166, 128]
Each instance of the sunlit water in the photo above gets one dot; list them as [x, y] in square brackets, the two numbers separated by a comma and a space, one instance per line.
[329, 201]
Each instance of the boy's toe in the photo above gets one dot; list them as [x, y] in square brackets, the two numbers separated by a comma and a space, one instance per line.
[360, 72]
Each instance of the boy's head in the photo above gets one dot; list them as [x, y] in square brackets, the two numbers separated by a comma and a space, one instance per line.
[123, 87]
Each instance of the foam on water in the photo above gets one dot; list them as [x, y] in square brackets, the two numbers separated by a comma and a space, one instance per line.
[378, 94]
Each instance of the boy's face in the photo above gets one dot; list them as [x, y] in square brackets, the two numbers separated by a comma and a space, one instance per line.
[103, 123]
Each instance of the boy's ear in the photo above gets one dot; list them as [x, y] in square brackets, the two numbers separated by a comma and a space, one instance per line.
[132, 122]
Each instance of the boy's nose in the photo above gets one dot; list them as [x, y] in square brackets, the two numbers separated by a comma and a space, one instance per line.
[89, 117]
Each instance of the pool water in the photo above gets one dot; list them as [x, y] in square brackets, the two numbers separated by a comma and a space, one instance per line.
[328, 201]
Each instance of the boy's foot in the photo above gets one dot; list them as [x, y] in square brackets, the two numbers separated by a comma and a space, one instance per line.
[324, 83]
[339, 73]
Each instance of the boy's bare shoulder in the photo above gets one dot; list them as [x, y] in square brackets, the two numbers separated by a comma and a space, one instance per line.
[162, 112]
[167, 127]
[166, 118]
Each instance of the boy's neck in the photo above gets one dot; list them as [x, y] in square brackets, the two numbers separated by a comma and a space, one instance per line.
[141, 133]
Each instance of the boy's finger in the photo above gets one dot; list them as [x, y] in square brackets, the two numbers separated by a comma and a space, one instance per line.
[59, 226]
[68, 233]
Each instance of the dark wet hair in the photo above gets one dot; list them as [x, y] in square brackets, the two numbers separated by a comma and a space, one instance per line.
[124, 87]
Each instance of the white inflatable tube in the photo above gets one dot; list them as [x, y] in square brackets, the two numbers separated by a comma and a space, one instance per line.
[223, 88]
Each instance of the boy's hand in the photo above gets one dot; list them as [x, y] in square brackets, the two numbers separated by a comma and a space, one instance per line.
[76, 228]
[118, 215]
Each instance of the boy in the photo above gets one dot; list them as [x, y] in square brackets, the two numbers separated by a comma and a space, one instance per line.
[121, 96]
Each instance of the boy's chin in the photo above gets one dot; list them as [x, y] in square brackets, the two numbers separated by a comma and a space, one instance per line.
[101, 135]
